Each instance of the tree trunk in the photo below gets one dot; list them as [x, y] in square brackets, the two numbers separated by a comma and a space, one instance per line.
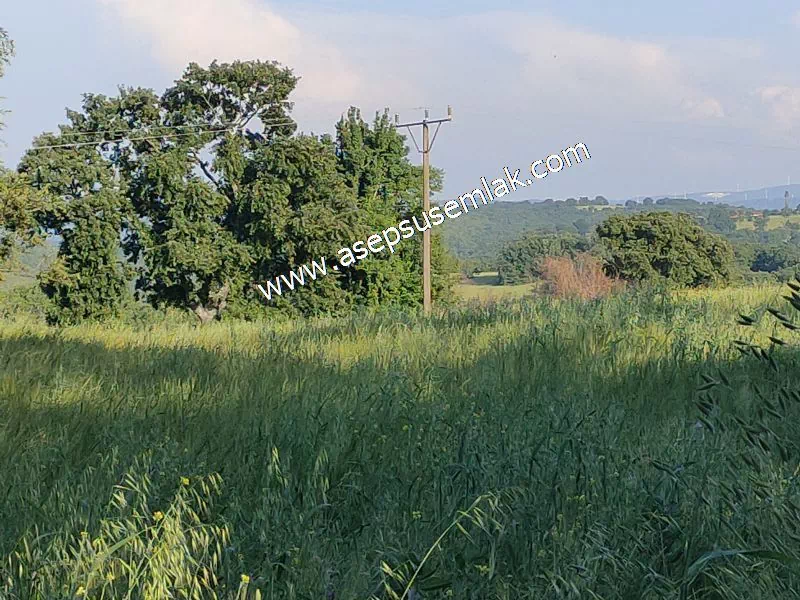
[215, 305]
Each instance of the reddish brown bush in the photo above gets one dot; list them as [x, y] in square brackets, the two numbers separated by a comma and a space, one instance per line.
[582, 277]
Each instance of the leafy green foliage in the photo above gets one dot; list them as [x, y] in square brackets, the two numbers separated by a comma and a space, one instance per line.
[291, 208]
[6, 50]
[88, 278]
[89, 211]
[20, 205]
[203, 207]
[373, 161]
[185, 188]
[719, 220]
[776, 258]
[649, 246]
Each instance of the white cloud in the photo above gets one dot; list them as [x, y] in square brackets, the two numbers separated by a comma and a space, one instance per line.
[182, 31]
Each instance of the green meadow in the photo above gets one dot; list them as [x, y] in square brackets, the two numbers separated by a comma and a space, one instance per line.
[533, 449]
[486, 287]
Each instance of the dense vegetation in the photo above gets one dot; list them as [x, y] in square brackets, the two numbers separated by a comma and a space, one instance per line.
[644, 247]
[521, 261]
[494, 235]
[184, 198]
[505, 452]
[671, 247]
[657, 242]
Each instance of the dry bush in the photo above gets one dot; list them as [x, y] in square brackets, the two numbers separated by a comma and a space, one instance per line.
[581, 277]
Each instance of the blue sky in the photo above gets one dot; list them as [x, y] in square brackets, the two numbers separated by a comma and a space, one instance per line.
[669, 97]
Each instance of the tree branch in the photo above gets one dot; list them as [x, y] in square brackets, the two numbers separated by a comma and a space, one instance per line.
[204, 166]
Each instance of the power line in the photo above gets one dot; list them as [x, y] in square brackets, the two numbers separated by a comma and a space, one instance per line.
[142, 138]
[134, 130]
[230, 125]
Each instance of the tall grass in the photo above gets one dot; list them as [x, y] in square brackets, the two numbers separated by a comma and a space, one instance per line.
[542, 449]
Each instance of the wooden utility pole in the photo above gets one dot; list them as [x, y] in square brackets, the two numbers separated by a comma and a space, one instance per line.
[427, 145]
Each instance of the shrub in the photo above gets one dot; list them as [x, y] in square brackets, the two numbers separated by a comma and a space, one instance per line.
[582, 277]
[521, 260]
[28, 300]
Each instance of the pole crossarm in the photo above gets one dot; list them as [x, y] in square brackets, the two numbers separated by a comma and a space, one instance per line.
[428, 121]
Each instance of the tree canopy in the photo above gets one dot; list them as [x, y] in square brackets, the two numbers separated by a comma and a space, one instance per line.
[206, 189]
[673, 247]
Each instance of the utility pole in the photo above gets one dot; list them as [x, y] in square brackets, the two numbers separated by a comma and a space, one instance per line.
[427, 145]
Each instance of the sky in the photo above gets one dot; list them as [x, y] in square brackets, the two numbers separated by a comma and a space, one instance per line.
[668, 97]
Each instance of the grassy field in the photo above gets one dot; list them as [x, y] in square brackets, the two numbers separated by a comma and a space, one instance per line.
[485, 287]
[773, 222]
[545, 449]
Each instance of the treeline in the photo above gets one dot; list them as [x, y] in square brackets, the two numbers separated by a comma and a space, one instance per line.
[646, 247]
[501, 231]
[193, 195]
[654, 246]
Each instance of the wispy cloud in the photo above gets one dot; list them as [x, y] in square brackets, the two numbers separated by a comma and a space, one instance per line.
[614, 74]
[783, 102]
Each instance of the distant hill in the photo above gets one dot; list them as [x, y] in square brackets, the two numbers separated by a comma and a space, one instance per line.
[477, 238]
[764, 198]
[479, 235]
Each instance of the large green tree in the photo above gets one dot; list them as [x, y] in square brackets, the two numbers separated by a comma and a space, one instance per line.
[186, 186]
[208, 190]
[293, 207]
[662, 245]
